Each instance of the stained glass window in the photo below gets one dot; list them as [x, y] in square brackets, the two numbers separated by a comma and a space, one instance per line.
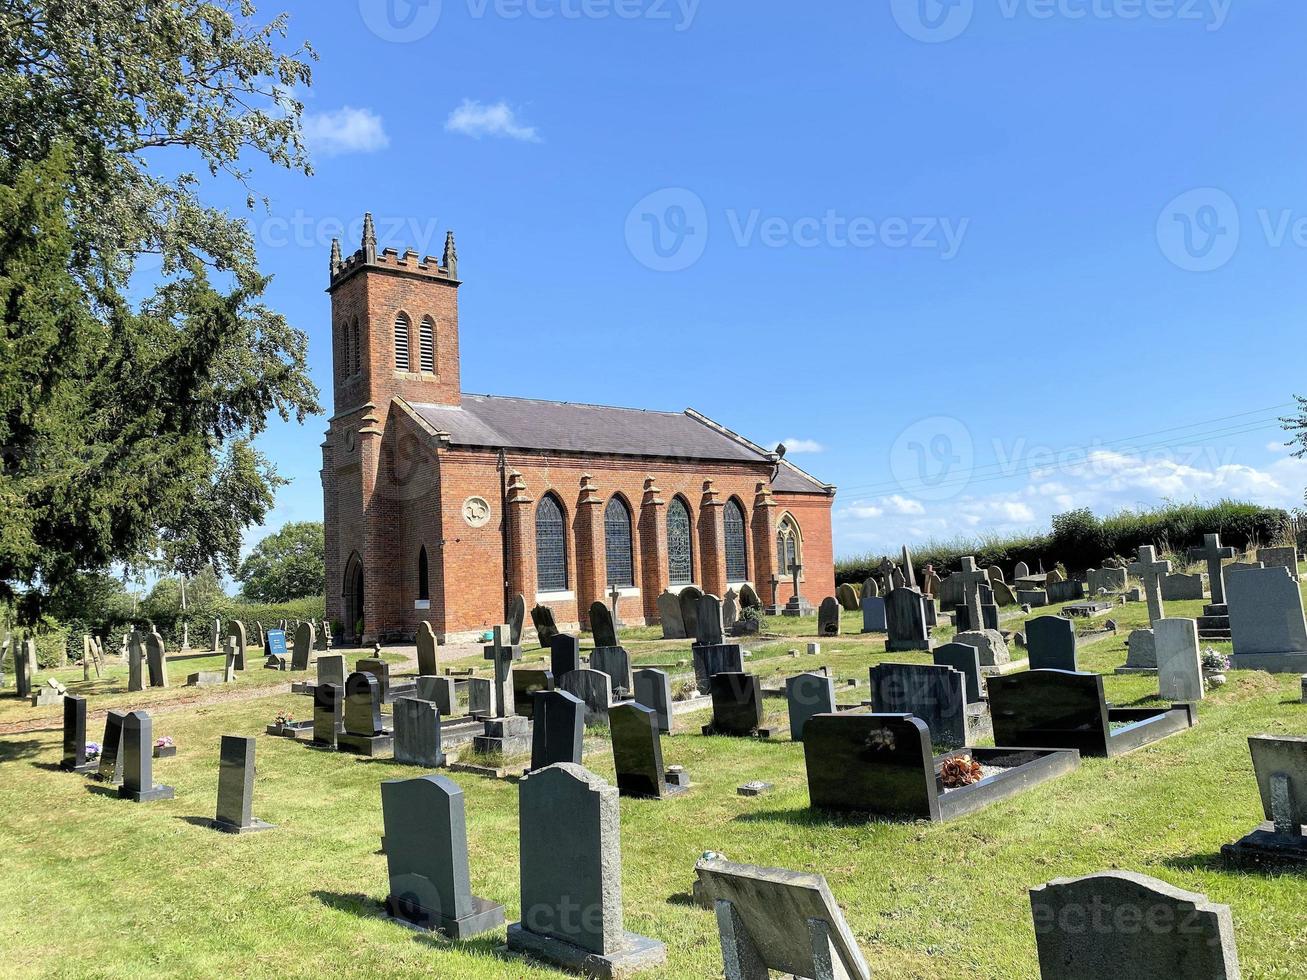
[551, 546]
[737, 562]
[680, 566]
[788, 549]
[617, 544]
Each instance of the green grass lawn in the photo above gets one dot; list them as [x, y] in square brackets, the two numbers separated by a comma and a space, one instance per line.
[93, 886]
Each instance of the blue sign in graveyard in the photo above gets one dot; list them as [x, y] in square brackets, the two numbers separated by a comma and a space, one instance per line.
[276, 642]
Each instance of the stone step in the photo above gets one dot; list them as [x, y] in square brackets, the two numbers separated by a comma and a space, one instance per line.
[1216, 609]
[1213, 623]
[1215, 634]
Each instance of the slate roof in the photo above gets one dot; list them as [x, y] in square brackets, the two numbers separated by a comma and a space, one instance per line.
[497, 422]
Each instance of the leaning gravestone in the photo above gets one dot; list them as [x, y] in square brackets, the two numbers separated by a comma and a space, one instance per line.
[558, 729]
[579, 870]
[638, 752]
[542, 617]
[1051, 643]
[138, 761]
[237, 629]
[516, 619]
[594, 689]
[157, 660]
[653, 689]
[426, 858]
[1179, 669]
[1266, 621]
[601, 625]
[935, 695]
[428, 662]
[990, 644]
[111, 749]
[749, 597]
[847, 596]
[564, 655]
[828, 617]
[303, 651]
[805, 696]
[236, 787]
[74, 759]
[417, 733]
[669, 615]
[1120, 924]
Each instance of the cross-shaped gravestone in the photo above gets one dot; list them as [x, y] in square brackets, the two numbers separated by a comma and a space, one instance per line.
[971, 579]
[616, 596]
[1151, 571]
[796, 570]
[775, 588]
[1213, 552]
[503, 653]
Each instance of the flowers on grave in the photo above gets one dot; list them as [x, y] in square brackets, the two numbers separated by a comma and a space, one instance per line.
[163, 742]
[960, 771]
[284, 719]
[1214, 662]
[92, 751]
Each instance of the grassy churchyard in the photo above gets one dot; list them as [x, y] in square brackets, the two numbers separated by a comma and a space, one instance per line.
[94, 886]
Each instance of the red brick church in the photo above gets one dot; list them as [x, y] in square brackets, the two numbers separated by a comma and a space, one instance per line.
[441, 505]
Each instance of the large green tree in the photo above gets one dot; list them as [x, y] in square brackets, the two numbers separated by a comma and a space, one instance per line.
[289, 564]
[127, 427]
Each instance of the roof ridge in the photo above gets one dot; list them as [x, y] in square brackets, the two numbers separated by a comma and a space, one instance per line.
[559, 401]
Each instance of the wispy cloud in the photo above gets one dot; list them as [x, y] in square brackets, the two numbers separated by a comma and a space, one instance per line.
[476, 119]
[803, 446]
[346, 130]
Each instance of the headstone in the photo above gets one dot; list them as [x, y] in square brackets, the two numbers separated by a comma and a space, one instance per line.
[229, 662]
[971, 579]
[74, 759]
[595, 689]
[303, 652]
[616, 663]
[502, 653]
[653, 689]
[1280, 558]
[157, 659]
[135, 664]
[1266, 621]
[905, 614]
[770, 919]
[237, 629]
[873, 615]
[525, 684]
[601, 625]
[1179, 668]
[331, 669]
[669, 614]
[1141, 651]
[579, 870]
[417, 733]
[1111, 579]
[1051, 643]
[965, 658]
[828, 617]
[807, 695]
[638, 752]
[847, 596]
[730, 609]
[749, 598]
[440, 691]
[427, 859]
[558, 729]
[1182, 588]
[138, 761]
[709, 627]
[1121, 924]
[276, 643]
[736, 705]
[1022, 571]
[236, 787]
[428, 661]
[1214, 553]
[870, 588]
[542, 617]
[217, 635]
[564, 655]
[1150, 570]
[689, 599]
[936, 695]
[1280, 765]
[991, 646]
[111, 749]
[362, 714]
[516, 619]
[379, 669]
[481, 698]
[720, 659]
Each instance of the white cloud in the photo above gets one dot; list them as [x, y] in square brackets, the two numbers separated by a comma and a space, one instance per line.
[803, 446]
[1277, 447]
[474, 119]
[346, 130]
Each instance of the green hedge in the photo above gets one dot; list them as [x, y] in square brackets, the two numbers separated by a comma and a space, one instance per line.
[1080, 540]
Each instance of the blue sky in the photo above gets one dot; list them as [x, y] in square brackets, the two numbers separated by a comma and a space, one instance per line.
[967, 255]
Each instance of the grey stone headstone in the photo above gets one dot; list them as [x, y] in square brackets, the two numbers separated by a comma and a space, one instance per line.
[236, 787]
[516, 619]
[669, 614]
[936, 695]
[601, 625]
[594, 688]
[440, 691]
[428, 662]
[1141, 650]
[558, 729]
[1051, 643]
[303, 651]
[965, 658]
[1179, 666]
[1266, 616]
[616, 663]
[847, 596]
[1180, 587]
[905, 615]
[502, 654]
[481, 697]
[1111, 579]
[637, 751]
[328, 713]
[237, 629]
[1284, 800]
[990, 644]
[138, 761]
[417, 733]
[653, 689]
[807, 695]
[362, 705]
[720, 659]
[427, 858]
[730, 609]
[331, 669]
[828, 617]
[157, 660]
[1286, 558]
[709, 628]
[689, 598]
[564, 655]
[1022, 571]
[1120, 924]
[873, 615]
[135, 664]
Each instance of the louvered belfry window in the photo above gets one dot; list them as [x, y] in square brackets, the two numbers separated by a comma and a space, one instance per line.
[737, 562]
[427, 346]
[551, 547]
[617, 544]
[401, 343]
[680, 564]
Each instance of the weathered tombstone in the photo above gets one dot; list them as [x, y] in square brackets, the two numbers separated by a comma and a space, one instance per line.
[616, 663]
[440, 691]
[1214, 553]
[1110, 579]
[970, 579]
[689, 599]
[847, 596]
[870, 589]
[229, 662]
[965, 658]
[736, 705]
[417, 733]
[601, 625]
[516, 619]
[1150, 570]
[653, 689]
[730, 609]
[138, 761]
[525, 684]
[1141, 652]
[74, 759]
[769, 919]
[905, 614]
[237, 629]
[1051, 643]
[749, 597]
[157, 659]
[379, 669]
[1280, 765]
[595, 689]
[1266, 620]
[1179, 587]
[135, 664]
[331, 669]
[364, 731]
[1179, 668]
[936, 695]
[579, 870]
[542, 617]
[427, 859]
[564, 655]
[828, 617]
[709, 628]
[558, 729]
[481, 698]
[502, 653]
[428, 661]
[669, 615]
[807, 695]
[1022, 571]
[111, 749]
[217, 635]
[236, 787]
[1286, 558]
[873, 615]
[720, 659]
[1121, 924]
[638, 752]
[303, 649]
[990, 644]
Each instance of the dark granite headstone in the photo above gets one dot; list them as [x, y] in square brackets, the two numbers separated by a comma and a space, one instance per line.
[516, 619]
[328, 713]
[111, 749]
[362, 704]
[74, 759]
[564, 655]
[736, 704]
[638, 751]
[905, 615]
[724, 658]
[807, 695]
[653, 689]
[558, 730]
[879, 764]
[1051, 643]
[966, 658]
[689, 599]
[417, 733]
[236, 787]
[426, 857]
[828, 617]
[595, 689]
[616, 663]
[138, 761]
[601, 625]
[303, 650]
[542, 617]
[525, 684]
[936, 695]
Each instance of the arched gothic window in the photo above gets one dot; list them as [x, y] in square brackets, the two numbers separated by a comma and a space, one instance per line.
[427, 346]
[680, 564]
[354, 355]
[402, 361]
[789, 546]
[617, 544]
[551, 546]
[424, 578]
[737, 561]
